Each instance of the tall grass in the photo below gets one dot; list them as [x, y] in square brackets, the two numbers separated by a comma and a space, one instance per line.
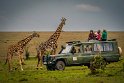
[75, 74]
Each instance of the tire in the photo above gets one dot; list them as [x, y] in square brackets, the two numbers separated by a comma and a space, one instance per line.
[120, 51]
[50, 68]
[60, 65]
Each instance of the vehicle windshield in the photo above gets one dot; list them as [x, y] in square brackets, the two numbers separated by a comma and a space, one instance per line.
[67, 49]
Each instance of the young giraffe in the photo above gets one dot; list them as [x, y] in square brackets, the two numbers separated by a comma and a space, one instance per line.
[51, 43]
[18, 49]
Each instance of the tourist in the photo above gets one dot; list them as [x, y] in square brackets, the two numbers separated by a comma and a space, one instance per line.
[98, 35]
[104, 35]
[91, 35]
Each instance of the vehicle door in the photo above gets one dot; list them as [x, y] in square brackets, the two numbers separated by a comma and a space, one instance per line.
[68, 55]
[87, 53]
[76, 55]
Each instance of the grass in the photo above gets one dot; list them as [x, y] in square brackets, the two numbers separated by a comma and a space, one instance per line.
[113, 73]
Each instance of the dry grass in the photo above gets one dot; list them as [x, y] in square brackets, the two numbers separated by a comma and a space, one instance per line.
[8, 38]
[76, 74]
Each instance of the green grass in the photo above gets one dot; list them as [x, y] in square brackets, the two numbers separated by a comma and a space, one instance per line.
[113, 73]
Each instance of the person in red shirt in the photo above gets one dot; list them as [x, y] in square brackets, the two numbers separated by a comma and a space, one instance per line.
[98, 35]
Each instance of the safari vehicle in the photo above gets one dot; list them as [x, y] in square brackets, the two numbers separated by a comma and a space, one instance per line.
[81, 53]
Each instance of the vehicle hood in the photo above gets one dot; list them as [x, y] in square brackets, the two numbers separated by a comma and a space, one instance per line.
[57, 55]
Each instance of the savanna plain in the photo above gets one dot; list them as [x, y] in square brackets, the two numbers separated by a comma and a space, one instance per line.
[113, 73]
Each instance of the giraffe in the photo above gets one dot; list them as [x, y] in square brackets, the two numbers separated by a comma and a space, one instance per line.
[18, 49]
[51, 43]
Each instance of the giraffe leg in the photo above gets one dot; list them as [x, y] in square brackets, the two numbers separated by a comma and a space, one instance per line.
[38, 58]
[40, 53]
[38, 62]
[22, 58]
[9, 64]
[20, 62]
[9, 59]
[41, 64]
[41, 58]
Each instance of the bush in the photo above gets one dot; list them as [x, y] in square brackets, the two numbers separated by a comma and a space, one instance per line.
[97, 63]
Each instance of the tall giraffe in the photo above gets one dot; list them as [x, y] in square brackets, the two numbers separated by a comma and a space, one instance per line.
[18, 49]
[51, 43]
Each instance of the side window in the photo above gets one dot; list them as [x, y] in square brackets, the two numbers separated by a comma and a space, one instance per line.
[98, 47]
[76, 49]
[87, 48]
[107, 46]
[103, 47]
[66, 49]
[73, 50]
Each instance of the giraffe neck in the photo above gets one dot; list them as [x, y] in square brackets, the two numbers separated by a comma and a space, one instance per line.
[59, 29]
[56, 34]
[53, 39]
[25, 41]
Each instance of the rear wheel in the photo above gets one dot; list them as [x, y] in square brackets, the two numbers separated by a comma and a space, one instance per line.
[60, 65]
[120, 51]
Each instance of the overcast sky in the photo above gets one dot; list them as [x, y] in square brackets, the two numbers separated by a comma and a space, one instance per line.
[45, 15]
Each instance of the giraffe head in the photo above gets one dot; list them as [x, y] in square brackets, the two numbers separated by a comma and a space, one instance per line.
[35, 34]
[63, 20]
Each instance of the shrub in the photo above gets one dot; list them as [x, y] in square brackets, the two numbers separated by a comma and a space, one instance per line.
[97, 63]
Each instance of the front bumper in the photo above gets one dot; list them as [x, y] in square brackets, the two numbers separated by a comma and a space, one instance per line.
[48, 60]
[49, 63]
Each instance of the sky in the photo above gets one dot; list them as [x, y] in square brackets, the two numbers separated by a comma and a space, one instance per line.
[45, 15]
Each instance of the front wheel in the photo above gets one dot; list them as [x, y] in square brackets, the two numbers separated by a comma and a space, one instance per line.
[60, 65]
[50, 68]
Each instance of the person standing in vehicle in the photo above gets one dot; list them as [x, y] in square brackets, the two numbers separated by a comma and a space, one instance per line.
[104, 35]
[73, 50]
[98, 35]
[91, 35]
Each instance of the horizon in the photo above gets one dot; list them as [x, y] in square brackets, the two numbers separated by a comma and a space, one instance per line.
[54, 31]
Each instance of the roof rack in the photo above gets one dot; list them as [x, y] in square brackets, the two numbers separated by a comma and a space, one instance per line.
[73, 42]
[112, 40]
